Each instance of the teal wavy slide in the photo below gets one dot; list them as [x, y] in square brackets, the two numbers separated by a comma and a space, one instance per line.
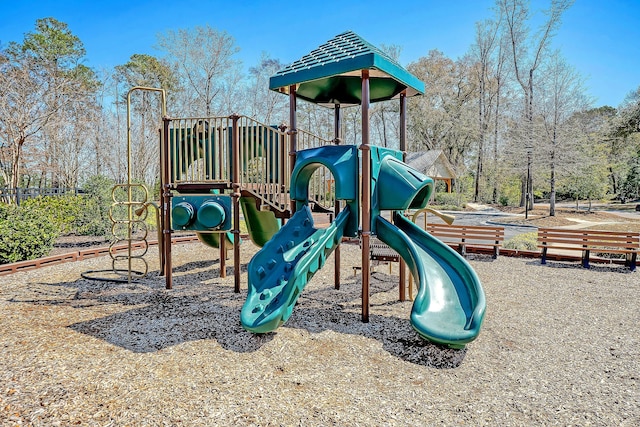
[282, 268]
[450, 304]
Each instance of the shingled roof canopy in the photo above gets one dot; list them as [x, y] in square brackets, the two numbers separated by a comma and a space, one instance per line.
[331, 74]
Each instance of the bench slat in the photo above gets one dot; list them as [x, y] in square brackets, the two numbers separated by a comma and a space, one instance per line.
[589, 244]
[619, 238]
[588, 241]
[592, 249]
[468, 235]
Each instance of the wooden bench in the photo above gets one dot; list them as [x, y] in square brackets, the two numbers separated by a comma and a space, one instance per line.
[588, 241]
[461, 236]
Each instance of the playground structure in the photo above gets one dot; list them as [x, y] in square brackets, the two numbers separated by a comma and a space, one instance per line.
[213, 168]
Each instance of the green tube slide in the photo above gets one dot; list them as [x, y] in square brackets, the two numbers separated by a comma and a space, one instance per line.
[261, 225]
[213, 239]
[450, 304]
[282, 268]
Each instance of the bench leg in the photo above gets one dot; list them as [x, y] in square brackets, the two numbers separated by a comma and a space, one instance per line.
[585, 259]
[544, 256]
[462, 250]
[496, 252]
[632, 264]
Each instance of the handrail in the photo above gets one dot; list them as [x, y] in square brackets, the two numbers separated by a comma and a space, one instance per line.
[201, 153]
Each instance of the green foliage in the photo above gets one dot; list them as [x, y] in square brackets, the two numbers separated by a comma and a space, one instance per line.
[53, 42]
[25, 233]
[589, 183]
[631, 186]
[98, 201]
[62, 211]
[450, 201]
[510, 189]
[523, 242]
[85, 215]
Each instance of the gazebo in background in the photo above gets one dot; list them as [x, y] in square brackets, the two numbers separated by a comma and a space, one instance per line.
[434, 164]
[347, 71]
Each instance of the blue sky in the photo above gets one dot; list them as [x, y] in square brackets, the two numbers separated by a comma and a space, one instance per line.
[598, 37]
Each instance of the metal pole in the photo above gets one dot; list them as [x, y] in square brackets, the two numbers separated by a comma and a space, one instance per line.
[366, 196]
[403, 148]
[293, 140]
[165, 206]
[129, 162]
[235, 179]
[336, 202]
[223, 255]
[527, 185]
[282, 186]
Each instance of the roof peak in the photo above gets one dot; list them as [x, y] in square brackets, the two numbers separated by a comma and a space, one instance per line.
[328, 74]
[343, 46]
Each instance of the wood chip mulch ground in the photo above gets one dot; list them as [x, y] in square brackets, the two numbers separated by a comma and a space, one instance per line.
[559, 346]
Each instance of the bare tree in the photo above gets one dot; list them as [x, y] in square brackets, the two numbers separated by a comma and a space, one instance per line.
[42, 79]
[149, 71]
[205, 61]
[263, 104]
[487, 39]
[22, 114]
[562, 95]
[528, 53]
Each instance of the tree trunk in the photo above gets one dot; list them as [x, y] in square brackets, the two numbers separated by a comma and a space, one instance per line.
[15, 166]
[495, 144]
[552, 178]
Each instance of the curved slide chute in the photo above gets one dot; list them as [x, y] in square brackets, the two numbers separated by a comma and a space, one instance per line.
[450, 304]
[213, 239]
[282, 268]
[261, 225]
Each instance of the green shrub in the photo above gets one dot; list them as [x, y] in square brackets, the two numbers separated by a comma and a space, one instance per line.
[450, 200]
[523, 242]
[81, 215]
[61, 210]
[97, 198]
[86, 214]
[25, 233]
[510, 191]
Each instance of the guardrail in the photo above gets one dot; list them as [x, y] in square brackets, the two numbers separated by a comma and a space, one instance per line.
[201, 152]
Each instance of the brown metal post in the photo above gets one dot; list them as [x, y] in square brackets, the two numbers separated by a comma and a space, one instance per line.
[159, 217]
[336, 257]
[366, 196]
[223, 255]
[165, 185]
[403, 148]
[293, 139]
[281, 159]
[235, 181]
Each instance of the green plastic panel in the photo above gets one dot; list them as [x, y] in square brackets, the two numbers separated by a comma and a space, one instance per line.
[201, 212]
[342, 161]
